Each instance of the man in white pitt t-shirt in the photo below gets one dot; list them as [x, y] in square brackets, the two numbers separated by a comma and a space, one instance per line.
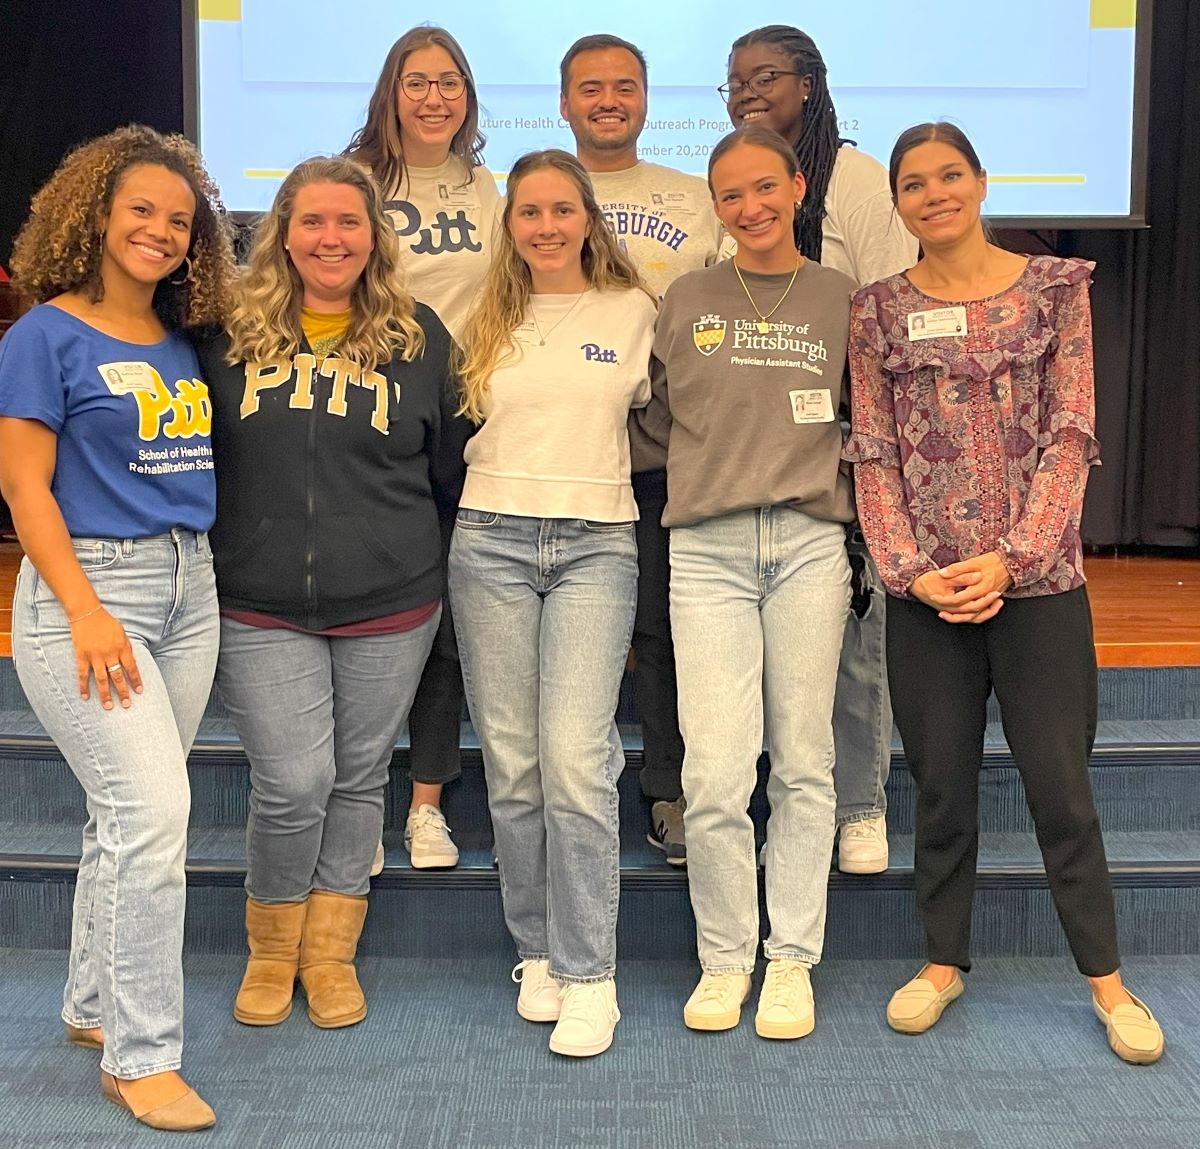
[665, 221]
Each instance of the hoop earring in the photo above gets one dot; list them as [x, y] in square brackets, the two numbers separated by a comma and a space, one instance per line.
[187, 274]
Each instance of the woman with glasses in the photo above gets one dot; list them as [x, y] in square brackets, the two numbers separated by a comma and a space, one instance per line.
[423, 145]
[777, 77]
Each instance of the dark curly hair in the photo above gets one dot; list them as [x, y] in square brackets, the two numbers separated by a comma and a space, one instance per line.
[60, 246]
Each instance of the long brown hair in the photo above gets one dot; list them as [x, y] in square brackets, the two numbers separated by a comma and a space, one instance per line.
[378, 142]
[504, 298]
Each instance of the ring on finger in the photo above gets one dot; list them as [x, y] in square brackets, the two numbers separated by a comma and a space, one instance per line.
[114, 668]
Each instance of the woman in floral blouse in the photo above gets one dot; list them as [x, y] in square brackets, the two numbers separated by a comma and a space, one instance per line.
[973, 434]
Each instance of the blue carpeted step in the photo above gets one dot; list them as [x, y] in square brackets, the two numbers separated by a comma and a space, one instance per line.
[1146, 776]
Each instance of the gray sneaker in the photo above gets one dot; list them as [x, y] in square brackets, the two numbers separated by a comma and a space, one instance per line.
[667, 831]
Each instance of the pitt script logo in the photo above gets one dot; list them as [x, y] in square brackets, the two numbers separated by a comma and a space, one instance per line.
[177, 414]
[708, 333]
[594, 353]
[447, 234]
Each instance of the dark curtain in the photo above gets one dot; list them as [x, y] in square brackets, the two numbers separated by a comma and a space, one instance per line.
[71, 71]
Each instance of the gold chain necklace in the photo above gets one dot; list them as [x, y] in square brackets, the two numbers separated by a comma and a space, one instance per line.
[763, 326]
[544, 335]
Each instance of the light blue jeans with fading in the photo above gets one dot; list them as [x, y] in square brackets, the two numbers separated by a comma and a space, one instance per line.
[758, 607]
[126, 964]
[544, 612]
[318, 716]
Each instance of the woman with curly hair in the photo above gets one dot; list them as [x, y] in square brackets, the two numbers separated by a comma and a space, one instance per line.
[328, 563]
[422, 142]
[543, 576]
[105, 461]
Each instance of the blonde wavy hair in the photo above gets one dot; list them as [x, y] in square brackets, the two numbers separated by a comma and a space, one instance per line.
[265, 320]
[59, 248]
[379, 144]
[504, 299]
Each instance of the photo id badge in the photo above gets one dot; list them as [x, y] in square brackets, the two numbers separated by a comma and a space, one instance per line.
[812, 406]
[938, 323]
[123, 378]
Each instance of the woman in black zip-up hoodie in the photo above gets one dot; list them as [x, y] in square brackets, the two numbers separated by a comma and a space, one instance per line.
[337, 452]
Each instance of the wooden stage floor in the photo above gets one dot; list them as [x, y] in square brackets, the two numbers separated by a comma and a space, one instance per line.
[1146, 610]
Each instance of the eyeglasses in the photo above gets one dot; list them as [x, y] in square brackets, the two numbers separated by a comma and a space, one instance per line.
[760, 84]
[450, 85]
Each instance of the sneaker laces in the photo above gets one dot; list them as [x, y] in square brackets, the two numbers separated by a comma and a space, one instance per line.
[428, 820]
[582, 1001]
[863, 828]
[712, 988]
[518, 973]
[786, 978]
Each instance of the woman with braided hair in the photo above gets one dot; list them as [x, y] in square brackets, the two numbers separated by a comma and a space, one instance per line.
[777, 77]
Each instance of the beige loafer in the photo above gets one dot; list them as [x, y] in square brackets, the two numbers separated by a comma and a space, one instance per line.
[1133, 1033]
[917, 1005]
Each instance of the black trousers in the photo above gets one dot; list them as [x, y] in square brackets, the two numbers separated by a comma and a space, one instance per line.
[435, 721]
[654, 666]
[1039, 657]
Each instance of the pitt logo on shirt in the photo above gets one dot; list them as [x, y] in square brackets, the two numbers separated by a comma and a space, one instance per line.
[594, 353]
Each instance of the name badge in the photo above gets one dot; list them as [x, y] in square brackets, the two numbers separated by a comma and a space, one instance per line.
[124, 378]
[937, 323]
[812, 406]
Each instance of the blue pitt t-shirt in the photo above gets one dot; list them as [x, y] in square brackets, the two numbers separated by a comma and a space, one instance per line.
[132, 420]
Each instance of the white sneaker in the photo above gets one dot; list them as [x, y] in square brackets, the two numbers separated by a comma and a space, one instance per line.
[716, 1002]
[538, 999]
[588, 1016]
[427, 840]
[377, 864]
[863, 846]
[785, 1006]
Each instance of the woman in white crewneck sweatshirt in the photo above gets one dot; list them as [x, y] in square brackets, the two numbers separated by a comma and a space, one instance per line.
[422, 142]
[543, 578]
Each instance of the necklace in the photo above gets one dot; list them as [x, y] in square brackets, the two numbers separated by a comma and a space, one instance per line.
[544, 335]
[763, 326]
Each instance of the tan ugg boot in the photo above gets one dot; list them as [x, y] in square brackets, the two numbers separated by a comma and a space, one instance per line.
[273, 933]
[332, 928]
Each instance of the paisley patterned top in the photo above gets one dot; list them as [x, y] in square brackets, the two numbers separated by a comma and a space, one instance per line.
[976, 442]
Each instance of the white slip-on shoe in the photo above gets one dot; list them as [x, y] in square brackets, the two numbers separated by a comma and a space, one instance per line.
[918, 1004]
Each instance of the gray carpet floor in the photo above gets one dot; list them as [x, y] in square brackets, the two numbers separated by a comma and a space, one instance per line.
[443, 1061]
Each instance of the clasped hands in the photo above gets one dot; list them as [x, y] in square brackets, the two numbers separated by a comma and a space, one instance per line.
[967, 591]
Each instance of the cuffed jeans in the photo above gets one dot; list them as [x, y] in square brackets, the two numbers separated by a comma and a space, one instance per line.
[318, 717]
[125, 973]
[544, 610]
[758, 607]
[862, 708]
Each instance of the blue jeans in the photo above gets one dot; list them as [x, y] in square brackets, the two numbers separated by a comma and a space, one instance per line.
[126, 971]
[758, 607]
[862, 708]
[318, 717]
[544, 610]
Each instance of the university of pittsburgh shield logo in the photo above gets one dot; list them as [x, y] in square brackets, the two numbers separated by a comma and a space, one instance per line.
[708, 333]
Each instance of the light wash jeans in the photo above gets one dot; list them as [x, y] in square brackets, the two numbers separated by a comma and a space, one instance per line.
[126, 973]
[862, 708]
[758, 607]
[318, 717]
[544, 611]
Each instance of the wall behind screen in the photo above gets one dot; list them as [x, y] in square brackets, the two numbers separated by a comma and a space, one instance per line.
[64, 81]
